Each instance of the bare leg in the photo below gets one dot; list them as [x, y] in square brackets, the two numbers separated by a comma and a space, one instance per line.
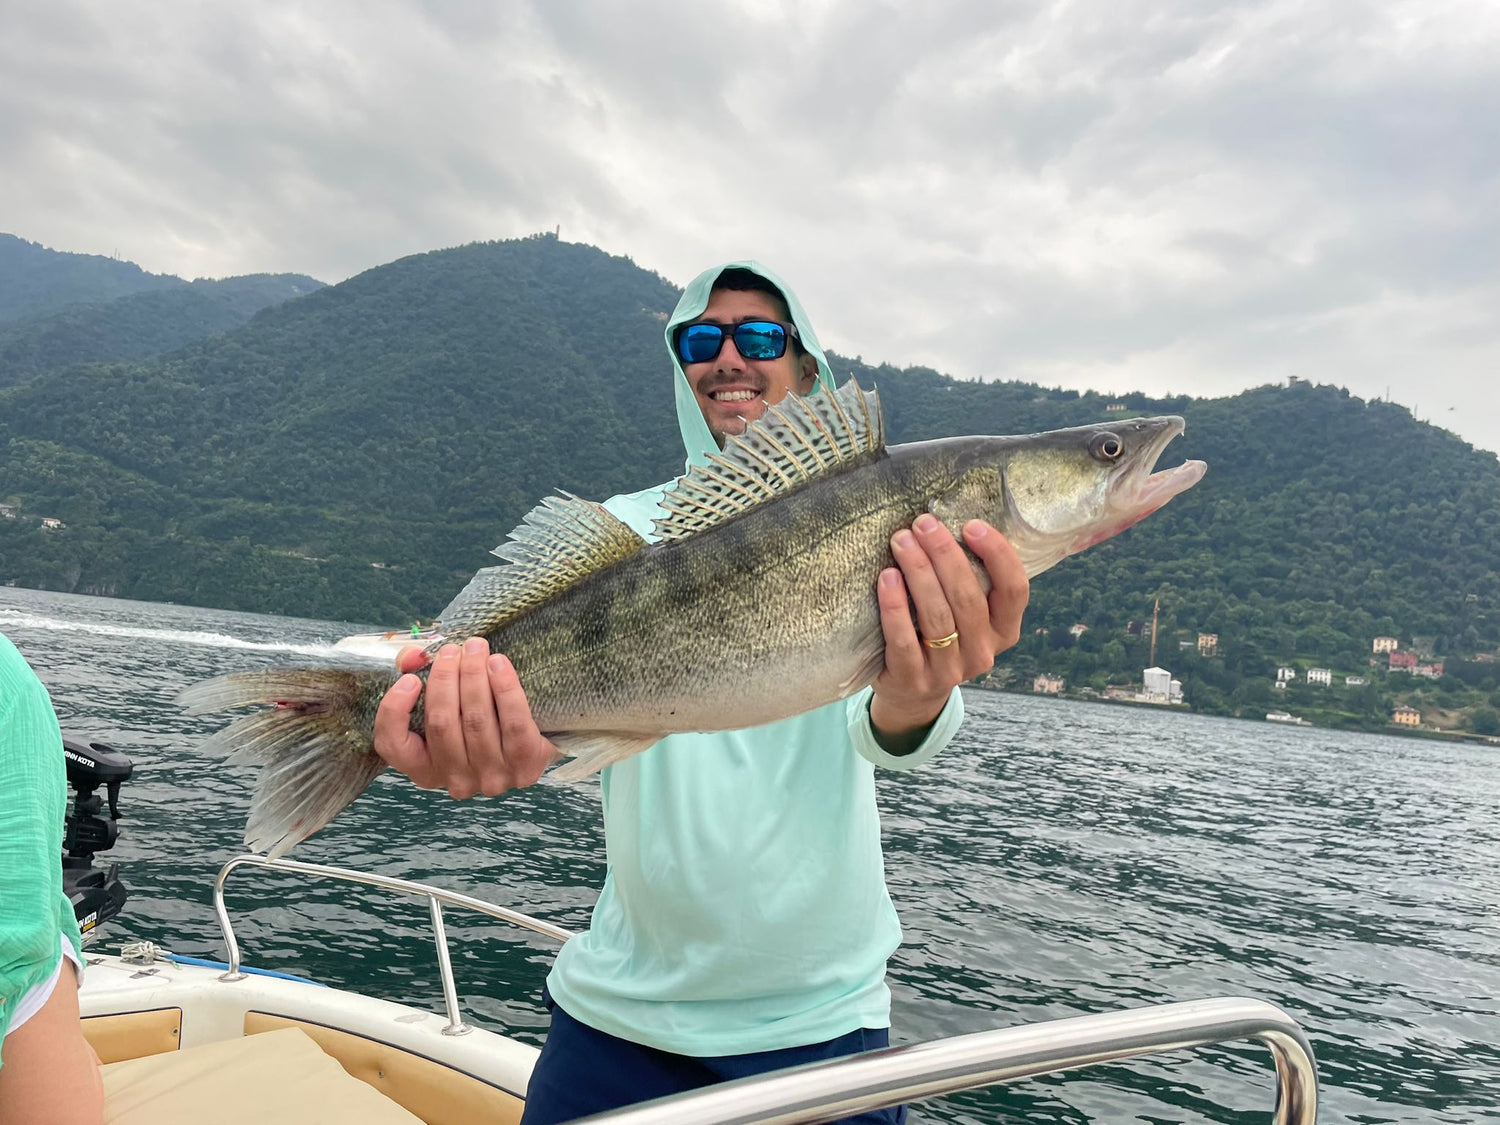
[51, 1073]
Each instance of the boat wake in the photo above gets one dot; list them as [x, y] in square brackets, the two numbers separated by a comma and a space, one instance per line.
[16, 620]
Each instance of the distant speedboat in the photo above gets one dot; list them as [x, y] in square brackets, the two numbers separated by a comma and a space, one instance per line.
[385, 646]
[1285, 717]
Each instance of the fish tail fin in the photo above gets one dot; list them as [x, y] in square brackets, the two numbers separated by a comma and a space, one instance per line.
[316, 744]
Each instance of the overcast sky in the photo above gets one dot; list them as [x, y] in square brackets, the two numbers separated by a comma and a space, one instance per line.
[1176, 197]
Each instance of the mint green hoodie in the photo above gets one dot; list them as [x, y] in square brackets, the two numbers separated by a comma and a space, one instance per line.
[744, 907]
[35, 916]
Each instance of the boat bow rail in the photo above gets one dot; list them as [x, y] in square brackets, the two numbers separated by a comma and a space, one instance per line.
[827, 1091]
[436, 898]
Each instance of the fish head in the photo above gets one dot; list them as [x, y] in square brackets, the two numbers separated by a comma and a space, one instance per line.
[1058, 493]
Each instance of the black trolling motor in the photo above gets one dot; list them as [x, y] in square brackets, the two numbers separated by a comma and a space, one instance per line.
[97, 894]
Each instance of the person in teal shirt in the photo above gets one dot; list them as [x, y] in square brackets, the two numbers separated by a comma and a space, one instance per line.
[744, 923]
[48, 1071]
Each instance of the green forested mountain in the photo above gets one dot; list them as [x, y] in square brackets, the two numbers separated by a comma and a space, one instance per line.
[406, 417]
[35, 281]
[354, 453]
[140, 324]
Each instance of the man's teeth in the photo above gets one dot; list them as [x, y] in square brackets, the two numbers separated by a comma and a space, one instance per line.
[734, 396]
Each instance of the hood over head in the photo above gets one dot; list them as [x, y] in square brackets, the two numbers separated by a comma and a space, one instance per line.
[697, 439]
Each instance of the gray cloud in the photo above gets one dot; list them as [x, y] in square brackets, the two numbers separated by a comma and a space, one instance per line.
[1165, 196]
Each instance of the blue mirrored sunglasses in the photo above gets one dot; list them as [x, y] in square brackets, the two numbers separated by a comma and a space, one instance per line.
[753, 339]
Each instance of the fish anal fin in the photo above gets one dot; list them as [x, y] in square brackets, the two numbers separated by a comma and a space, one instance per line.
[591, 751]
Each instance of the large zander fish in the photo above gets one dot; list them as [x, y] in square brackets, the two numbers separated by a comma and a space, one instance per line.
[757, 602]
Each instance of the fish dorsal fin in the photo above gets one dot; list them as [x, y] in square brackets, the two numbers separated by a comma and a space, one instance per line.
[557, 544]
[796, 441]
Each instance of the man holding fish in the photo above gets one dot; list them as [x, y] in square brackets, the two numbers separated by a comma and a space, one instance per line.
[736, 651]
[744, 924]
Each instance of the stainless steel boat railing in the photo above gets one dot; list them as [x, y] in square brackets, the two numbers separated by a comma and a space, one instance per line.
[827, 1091]
[838, 1088]
[436, 898]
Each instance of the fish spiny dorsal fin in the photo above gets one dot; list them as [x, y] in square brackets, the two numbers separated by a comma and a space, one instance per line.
[794, 442]
[557, 544]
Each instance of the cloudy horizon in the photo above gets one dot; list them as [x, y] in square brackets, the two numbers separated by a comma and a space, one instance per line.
[1165, 197]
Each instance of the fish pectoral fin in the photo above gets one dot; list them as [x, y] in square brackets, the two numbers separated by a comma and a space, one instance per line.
[592, 750]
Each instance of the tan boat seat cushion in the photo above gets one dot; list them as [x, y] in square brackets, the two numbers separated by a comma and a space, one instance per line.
[281, 1077]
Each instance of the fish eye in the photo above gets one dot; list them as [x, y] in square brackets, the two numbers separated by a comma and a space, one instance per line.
[1106, 447]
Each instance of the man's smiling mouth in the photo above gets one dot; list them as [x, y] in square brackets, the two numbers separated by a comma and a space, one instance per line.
[734, 396]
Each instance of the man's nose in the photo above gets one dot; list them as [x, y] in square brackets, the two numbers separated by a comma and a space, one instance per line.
[729, 358]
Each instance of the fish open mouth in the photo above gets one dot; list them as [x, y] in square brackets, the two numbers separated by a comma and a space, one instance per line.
[1153, 489]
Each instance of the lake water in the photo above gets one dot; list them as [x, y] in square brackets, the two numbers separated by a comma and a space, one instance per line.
[1060, 859]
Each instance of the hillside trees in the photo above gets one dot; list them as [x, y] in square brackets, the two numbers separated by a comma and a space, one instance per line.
[357, 451]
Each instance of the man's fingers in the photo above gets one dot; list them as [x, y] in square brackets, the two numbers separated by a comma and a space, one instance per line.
[963, 596]
[1010, 589]
[934, 617]
[480, 736]
[394, 740]
[903, 648]
[411, 658]
[484, 756]
[527, 753]
[444, 723]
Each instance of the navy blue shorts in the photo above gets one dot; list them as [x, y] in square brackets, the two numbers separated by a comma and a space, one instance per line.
[583, 1071]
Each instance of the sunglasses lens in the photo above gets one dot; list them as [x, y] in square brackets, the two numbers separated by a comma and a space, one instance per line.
[699, 343]
[754, 339]
[760, 339]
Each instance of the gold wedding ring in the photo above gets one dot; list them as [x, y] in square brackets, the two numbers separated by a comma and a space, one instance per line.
[941, 642]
